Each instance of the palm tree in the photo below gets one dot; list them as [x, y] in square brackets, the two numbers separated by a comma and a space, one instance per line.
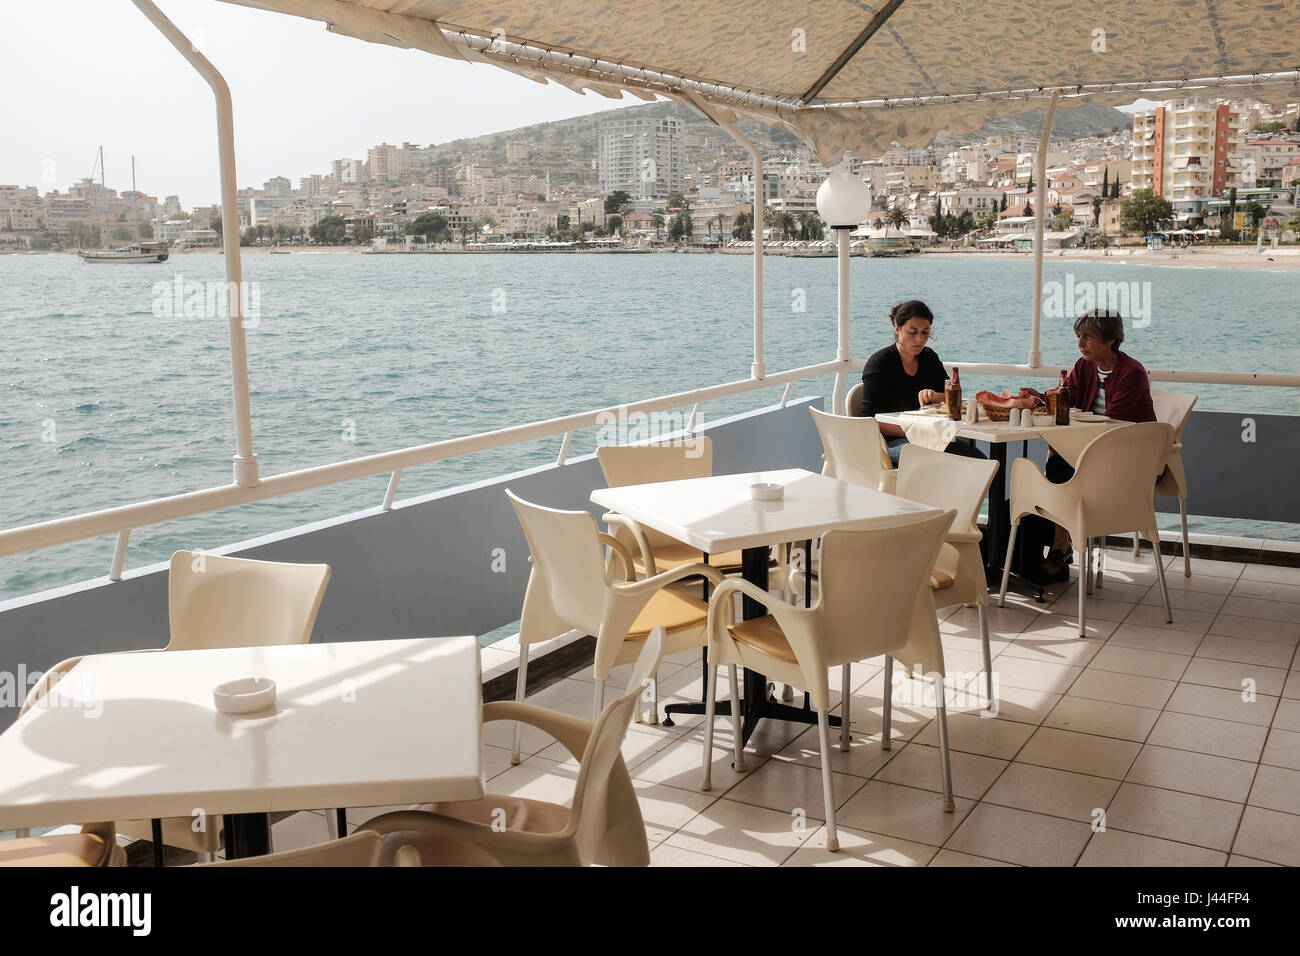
[657, 220]
[897, 217]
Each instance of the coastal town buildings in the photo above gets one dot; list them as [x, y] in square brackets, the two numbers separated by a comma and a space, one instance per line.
[543, 183]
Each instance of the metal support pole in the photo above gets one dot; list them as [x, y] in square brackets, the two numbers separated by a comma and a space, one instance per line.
[1040, 170]
[119, 555]
[391, 492]
[842, 347]
[246, 475]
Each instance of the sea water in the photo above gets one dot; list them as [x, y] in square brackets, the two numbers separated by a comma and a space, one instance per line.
[115, 381]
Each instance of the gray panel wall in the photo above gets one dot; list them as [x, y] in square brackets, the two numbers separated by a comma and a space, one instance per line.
[422, 569]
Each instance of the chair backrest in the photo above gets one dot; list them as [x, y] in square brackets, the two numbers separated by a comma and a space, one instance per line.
[870, 583]
[1116, 475]
[852, 448]
[360, 849]
[853, 401]
[567, 556]
[216, 601]
[643, 464]
[591, 796]
[1174, 408]
[945, 481]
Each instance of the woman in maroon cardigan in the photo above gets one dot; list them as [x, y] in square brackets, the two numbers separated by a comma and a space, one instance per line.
[1104, 381]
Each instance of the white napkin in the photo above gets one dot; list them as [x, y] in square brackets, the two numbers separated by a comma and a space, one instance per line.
[933, 433]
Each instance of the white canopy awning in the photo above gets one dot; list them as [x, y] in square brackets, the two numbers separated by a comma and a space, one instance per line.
[847, 76]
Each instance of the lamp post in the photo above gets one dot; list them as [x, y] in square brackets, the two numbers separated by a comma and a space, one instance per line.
[843, 201]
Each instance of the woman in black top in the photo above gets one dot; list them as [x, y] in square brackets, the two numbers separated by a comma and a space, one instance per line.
[906, 375]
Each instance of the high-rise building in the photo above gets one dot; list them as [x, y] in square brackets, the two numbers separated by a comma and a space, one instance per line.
[641, 156]
[388, 163]
[1187, 151]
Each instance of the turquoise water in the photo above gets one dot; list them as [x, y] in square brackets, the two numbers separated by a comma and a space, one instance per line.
[104, 402]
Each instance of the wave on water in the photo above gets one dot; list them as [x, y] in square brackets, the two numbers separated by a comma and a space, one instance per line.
[79, 443]
[88, 406]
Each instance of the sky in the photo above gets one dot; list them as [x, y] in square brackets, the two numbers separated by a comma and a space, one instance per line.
[93, 73]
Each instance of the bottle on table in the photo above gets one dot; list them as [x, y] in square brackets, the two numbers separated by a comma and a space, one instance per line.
[1062, 401]
[952, 395]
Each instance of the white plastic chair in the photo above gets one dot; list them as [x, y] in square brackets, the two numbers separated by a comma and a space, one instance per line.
[603, 826]
[1110, 493]
[875, 599]
[853, 451]
[218, 601]
[653, 551]
[570, 588]
[953, 481]
[1175, 408]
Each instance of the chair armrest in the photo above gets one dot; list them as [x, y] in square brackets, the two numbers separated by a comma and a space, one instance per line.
[572, 732]
[509, 847]
[777, 608]
[614, 519]
[649, 585]
[611, 542]
[962, 537]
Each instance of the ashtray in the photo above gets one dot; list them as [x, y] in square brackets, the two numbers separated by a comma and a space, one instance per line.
[767, 491]
[244, 696]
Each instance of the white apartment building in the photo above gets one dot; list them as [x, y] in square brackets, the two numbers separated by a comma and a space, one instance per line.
[1025, 163]
[641, 156]
[1187, 151]
[348, 170]
[977, 200]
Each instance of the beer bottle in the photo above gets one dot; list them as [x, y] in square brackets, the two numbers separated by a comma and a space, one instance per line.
[1062, 401]
[952, 394]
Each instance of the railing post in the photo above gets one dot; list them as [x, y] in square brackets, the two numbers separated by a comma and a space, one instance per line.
[392, 489]
[564, 450]
[1040, 166]
[119, 555]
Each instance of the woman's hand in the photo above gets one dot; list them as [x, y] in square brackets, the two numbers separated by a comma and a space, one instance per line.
[927, 396]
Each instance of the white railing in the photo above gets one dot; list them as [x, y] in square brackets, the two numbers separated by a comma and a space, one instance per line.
[123, 519]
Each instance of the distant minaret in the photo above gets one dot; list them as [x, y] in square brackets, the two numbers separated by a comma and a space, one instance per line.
[548, 184]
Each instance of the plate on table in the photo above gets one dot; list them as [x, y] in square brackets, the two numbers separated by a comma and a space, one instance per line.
[1088, 417]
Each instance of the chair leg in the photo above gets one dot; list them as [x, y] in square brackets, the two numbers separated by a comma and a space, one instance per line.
[828, 793]
[845, 698]
[521, 683]
[1160, 573]
[1101, 560]
[1137, 545]
[737, 720]
[1006, 570]
[597, 701]
[945, 759]
[654, 699]
[1087, 562]
[1082, 599]
[710, 692]
[1187, 560]
[988, 656]
[887, 693]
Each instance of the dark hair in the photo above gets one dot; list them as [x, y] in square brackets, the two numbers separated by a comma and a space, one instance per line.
[911, 309]
[1107, 323]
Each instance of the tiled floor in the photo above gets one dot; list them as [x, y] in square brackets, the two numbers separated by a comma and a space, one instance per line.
[1144, 743]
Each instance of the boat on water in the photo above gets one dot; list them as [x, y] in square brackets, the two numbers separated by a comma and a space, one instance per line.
[135, 252]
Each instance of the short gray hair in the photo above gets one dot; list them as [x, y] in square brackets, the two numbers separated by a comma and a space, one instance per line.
[1106, 323]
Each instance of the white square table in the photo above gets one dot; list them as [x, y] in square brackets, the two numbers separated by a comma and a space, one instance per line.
[1067, 440]
[718, 514]
[354, 724]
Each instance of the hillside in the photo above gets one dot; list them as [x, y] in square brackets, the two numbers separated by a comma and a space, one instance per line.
[568, 147]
